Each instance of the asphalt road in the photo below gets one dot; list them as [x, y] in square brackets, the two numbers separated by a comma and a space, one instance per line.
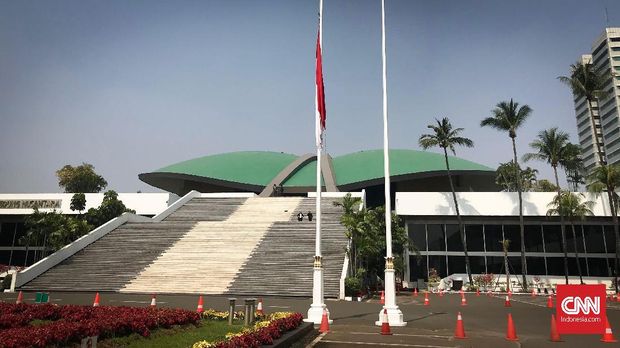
[485, 319]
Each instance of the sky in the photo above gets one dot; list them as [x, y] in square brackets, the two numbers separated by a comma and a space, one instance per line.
[133, 86]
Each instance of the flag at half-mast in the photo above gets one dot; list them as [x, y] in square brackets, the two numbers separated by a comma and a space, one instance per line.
[320, 95]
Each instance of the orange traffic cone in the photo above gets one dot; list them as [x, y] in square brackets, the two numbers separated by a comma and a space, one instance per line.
[463, 301]
[555, 336]
[415, 292]
[153, 302]
[385, 325]
[259, 307]
[509, 293]
[477, 292]
[489, 293]
[440, 293]
[96, 302]
[382, 297]
[511, 333]
[426, 301]
[200, 307]
[618, 297]
[20, 298]
[459, 332]
[608, 336]
[507, 302]
[533, 293]
[549, 302]
[324, 322]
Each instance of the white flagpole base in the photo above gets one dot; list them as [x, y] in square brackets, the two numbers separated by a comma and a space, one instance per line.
[395, 316]
[315, 313]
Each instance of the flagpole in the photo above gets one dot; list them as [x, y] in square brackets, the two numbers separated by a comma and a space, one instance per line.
[395, 316]
[315, 313]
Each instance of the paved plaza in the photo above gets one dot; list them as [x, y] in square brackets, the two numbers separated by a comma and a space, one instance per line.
[433, 326]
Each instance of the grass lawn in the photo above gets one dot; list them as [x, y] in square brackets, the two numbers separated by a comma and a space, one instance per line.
[184, 336]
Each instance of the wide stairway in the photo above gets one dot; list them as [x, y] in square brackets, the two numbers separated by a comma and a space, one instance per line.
[246, 246]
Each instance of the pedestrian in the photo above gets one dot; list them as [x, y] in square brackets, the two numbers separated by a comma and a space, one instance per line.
[300, 216]
[309, 215]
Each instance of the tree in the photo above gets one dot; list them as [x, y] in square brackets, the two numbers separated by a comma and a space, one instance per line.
[351, 218]
[544, 185]
[506, 177]
[573, 166]
[508, 117]
[78, 202]
[570, 205]
[446, 137]
[550, 147]
[110, 208]
[505, 246]
[80, 179]
[607, 178]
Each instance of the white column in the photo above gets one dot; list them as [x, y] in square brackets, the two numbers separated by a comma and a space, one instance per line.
[315, 313]
[395, 316]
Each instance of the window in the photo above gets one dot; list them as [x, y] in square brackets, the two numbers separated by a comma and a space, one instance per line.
[572, 266]
[553, 240]
[7, 230]
[610, 239]
[439, 264]
[598, 267]
[474, 238]
[555, 266]
[514, 262]
[417, 234]
[533, 239]
[454, 239]
[513, 233]
[594, 238]
[477, 264]
[417, 268]
[493, 236]
[456, 264]
[536, 265]
[570, 241]
[495, 265]
[436, 238]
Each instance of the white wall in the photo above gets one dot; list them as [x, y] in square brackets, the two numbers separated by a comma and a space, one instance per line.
[142, 203]
[484, 203]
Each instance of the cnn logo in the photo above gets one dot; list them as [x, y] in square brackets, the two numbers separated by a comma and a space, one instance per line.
[581, 309]
[573, 305]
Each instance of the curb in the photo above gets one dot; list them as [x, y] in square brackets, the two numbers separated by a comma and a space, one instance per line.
[292, 337]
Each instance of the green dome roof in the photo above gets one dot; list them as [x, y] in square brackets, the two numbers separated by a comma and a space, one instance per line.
[253, 170]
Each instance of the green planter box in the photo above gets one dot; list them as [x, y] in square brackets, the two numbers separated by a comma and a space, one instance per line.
[42, 297]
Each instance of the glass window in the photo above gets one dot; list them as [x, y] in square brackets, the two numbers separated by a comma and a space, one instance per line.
[417, 268]
[553, 240]
[610, 239]
[436, 241]
[578, 238]
[594, 238]
[7, 230]
[513, 233]
[454, 239]
[417, 234]
[477, 264]
[611, 262]
[473, 235]
[555, 266]
[493, 236]
[536, 265]
[4, 257]
[439, 264]
[456, 264]
[598, 267]
[572, 266]
[533, 240]
[514, 262]
[495, 264]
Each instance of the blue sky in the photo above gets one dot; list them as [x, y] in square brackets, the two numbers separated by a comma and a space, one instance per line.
[132, 86]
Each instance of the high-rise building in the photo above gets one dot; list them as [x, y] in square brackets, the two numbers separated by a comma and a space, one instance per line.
[606, 59]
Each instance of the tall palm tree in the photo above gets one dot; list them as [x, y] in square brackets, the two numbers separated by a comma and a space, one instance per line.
[508, 116]
[573, 166]
[607, 178]
[588, 82]
[550, 147]
[570, 205]
[446, 137]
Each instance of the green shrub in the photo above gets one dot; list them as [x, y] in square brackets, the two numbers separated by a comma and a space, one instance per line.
[352, 286]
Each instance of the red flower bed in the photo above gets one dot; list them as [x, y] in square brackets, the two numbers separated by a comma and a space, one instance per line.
[72, 323]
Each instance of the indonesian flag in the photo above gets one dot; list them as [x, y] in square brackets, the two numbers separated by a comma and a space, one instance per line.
[320, 95]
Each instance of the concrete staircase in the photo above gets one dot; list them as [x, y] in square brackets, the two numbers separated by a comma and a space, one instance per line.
[244, 246]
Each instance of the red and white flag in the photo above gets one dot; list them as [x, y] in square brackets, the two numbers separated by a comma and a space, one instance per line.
[320, 95]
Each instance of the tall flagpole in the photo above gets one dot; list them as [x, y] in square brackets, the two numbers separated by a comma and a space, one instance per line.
[395, 316]
[315, 313]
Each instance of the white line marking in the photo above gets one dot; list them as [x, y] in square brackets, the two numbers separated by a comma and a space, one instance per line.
[279, 306]
[406, 335]
[131, 301]
[386, 344]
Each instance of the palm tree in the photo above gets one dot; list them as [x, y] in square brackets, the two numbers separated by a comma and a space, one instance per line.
[550, 147]
[573, 166]
[607, 178]
[446, 137]
[508, 117]
[505, 246]
[570, 205]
